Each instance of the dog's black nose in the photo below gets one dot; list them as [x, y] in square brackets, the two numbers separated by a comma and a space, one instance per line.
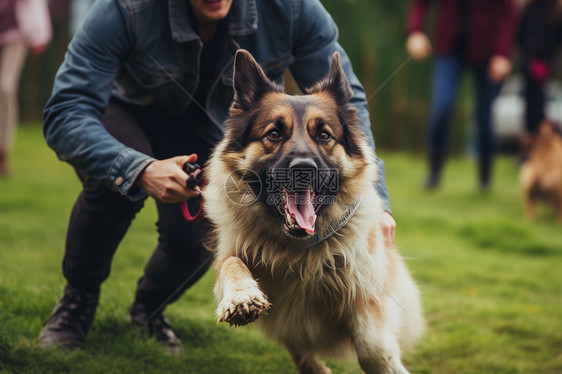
[303, 163]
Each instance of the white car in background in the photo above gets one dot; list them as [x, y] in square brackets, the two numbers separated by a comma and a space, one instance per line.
[508, 110]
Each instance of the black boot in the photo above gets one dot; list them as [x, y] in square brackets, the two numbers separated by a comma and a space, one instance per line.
[155, 324]
[484, 173]
[68, 324]
[5, 170]
[436, 161]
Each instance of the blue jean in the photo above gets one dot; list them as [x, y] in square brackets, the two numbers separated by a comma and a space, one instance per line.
[447, 73]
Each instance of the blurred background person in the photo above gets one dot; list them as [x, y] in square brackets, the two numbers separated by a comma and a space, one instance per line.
[24, 24]
[539, 36]
[475, 34]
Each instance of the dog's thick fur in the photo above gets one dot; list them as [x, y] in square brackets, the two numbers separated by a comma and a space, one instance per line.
[348, 293]
[540, 176]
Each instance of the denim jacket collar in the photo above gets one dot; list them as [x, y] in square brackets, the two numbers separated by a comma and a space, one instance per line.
[243, 19]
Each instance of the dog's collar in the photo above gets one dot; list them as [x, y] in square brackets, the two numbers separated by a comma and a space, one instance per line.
[334, 227]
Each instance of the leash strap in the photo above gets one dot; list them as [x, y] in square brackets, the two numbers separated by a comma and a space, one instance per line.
[187, 214]
[192, 181]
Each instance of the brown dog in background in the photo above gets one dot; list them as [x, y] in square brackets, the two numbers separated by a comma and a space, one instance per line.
[540, 176]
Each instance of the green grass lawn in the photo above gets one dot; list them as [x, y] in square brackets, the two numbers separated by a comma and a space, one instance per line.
[491, 283]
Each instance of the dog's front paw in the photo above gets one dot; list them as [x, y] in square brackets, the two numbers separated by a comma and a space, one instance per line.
[242, 307]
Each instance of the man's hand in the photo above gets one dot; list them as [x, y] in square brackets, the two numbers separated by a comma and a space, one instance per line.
[418, 46]
[388, 228]
[165, 180]
[498, 68]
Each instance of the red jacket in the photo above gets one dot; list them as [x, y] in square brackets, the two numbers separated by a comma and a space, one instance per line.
[491, 27]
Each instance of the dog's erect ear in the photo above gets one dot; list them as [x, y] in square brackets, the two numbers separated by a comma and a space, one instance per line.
[250, 82]
[336, 82]
[338, 86]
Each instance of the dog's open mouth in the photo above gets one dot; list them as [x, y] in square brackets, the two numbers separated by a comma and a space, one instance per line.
[300, 215]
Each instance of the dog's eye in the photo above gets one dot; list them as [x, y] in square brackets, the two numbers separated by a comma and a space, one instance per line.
[274, 135]
[324, 136]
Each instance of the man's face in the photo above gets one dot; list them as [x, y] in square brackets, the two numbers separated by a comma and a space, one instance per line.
[210, 11]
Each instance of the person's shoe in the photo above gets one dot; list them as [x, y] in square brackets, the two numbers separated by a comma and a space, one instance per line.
[5, 170]
[436, 162]
[68, 325]
[155, 325]
[432, 182]
[484, 187]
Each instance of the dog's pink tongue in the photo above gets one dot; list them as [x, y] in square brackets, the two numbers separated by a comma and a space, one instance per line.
[301, 209]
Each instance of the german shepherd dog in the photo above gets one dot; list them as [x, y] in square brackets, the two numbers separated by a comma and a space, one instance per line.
[299, 245]
[540, 176]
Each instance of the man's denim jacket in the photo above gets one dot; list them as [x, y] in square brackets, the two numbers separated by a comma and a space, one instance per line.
[146, 52]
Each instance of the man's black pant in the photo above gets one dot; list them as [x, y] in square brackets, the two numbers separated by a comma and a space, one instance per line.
[534, 99]
[101, 217]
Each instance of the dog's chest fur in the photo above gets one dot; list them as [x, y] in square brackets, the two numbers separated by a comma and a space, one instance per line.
[315, 312]
[306, 313]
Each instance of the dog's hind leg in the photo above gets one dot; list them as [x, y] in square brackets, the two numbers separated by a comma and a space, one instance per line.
[377, 350]
[557, 201]
[240, 301]
[526, 178]
[529, 206]
[308, 364]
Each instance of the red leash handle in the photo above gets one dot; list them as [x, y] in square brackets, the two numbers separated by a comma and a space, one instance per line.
[195, 179]
[187, 214]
